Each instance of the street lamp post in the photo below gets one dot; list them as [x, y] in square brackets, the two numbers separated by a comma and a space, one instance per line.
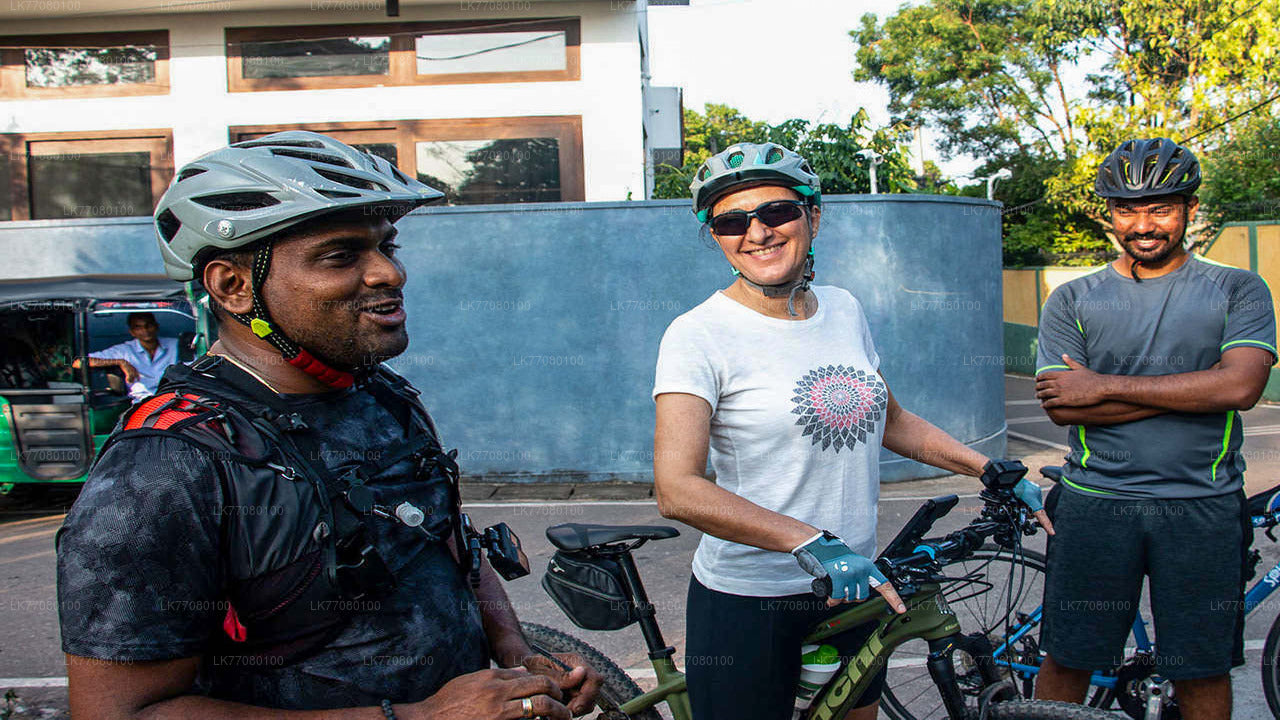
[873, 159]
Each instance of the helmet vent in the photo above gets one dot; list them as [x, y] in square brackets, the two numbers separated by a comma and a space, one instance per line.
[278, 143]
[774, 156]
[338, 194]
[190, 173]
[237, 202]
[735, 160]
[704, 172]
[168, 224]
[399, 175]
[312, 156]
[350, 181]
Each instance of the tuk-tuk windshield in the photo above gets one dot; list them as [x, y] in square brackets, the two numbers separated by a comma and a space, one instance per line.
[36, 347]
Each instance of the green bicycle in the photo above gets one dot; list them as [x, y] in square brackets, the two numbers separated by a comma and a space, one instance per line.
[594, 579]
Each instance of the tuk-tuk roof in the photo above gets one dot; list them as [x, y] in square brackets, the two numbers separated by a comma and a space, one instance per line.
[90, 288]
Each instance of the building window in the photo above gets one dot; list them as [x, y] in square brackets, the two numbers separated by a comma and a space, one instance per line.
[84, 175]
[338, 56]
[84, 65]
[480, 160]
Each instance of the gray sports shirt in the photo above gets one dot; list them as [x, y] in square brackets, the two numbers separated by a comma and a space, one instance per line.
[1178, 323]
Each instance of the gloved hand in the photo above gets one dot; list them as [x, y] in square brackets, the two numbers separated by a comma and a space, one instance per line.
[852, 575]
[1030, 495]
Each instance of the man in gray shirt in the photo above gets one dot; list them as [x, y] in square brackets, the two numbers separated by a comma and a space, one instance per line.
[1150, 360]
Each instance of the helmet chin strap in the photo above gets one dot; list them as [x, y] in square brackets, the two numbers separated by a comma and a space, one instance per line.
[259, 321]
[789, 288]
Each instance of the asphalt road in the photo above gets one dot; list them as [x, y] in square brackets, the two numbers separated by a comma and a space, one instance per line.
[31, 663]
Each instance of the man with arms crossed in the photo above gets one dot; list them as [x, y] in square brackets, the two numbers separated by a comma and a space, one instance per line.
[1150, 360]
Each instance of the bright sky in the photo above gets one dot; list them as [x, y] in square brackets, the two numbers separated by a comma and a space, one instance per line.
[773, 60]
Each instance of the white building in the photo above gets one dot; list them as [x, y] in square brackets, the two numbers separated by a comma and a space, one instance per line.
[499, 100]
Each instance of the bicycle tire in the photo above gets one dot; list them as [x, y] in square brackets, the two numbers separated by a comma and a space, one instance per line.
[618, 686]
[1271, 668]
[1045, 710]
[911, 694]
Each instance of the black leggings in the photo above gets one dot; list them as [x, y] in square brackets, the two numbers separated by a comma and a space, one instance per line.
[742, 654]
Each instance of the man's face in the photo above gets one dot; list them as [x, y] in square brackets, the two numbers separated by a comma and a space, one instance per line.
[1152, 229]
[337, 290]
[143, 329]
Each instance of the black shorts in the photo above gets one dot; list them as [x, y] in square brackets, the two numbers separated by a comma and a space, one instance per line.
[742, 654]
[1193, 552]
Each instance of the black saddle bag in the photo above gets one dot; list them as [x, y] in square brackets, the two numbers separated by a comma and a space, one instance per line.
[590, 590]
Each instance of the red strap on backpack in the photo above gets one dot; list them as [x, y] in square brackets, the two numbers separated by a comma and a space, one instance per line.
[232, 627]
[162, 411]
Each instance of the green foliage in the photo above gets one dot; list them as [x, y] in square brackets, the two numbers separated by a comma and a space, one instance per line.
[1242, 178]
[988, 76]
[830, 148]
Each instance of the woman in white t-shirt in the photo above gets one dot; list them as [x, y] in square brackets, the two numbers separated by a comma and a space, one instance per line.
[779, 381]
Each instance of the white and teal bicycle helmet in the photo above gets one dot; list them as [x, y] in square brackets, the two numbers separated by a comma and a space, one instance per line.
[746, 164]
[239, 195]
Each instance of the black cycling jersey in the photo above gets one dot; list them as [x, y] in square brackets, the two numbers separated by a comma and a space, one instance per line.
[142, 572]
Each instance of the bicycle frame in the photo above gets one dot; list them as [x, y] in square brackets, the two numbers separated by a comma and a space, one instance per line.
[927, 617]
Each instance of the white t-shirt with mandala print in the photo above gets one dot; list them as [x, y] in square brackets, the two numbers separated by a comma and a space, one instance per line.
[797, 419]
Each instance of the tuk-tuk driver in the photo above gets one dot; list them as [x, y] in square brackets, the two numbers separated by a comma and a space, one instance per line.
[142, 359]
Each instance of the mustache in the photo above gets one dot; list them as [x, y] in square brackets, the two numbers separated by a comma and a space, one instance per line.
[363, 303]
[1134, 237]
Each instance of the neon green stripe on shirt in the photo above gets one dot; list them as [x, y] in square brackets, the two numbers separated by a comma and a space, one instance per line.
[1084, 461]
[1226, 438]
[1046, 368]
[1082, 488]
[1257, 343]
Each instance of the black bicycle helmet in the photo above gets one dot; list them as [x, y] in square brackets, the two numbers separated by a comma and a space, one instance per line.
[1148, 168]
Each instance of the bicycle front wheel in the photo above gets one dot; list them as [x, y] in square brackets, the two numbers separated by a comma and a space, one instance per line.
[618, 686]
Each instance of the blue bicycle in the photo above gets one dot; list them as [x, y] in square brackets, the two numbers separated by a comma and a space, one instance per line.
[1010, 620]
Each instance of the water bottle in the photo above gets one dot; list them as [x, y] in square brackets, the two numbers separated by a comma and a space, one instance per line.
[818, 664]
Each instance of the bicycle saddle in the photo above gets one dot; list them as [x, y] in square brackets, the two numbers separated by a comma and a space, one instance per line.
[577, 536]
[1053, 472]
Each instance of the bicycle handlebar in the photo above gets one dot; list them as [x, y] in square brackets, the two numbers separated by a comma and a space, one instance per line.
[1003, 517]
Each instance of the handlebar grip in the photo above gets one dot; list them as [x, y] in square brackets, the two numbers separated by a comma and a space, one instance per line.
[821, 587]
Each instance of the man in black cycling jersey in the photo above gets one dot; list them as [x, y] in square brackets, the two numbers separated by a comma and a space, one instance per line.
[1150, 360]
[279, 527]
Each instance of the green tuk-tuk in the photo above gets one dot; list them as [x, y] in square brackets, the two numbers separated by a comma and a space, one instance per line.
[54, 416]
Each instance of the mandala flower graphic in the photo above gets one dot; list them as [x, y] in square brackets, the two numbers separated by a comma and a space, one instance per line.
[839, 406]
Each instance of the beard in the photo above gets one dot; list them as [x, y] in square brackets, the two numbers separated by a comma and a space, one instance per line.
[1156, 255]
[344, 342]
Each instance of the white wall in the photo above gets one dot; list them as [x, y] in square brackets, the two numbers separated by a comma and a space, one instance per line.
[199, 108]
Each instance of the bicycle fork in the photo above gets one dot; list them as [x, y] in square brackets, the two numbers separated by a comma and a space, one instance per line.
[942, 669]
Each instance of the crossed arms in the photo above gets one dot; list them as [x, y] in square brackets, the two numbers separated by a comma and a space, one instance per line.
[1080, 396]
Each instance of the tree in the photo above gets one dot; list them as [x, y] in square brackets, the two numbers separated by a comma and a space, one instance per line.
[989, 76]
[830, 148]
[1242, 177]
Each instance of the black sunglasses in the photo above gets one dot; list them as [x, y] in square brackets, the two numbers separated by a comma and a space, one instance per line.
[772, 213]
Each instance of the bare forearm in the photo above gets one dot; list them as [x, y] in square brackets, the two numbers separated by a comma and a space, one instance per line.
[915, 438]
[1202, 391]
[507, 643]
[198, 707]
[698, 502]
[1111, 412]
[100, 363]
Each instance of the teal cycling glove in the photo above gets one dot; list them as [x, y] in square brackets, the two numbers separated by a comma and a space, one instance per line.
[1029, 493]
[852, 575]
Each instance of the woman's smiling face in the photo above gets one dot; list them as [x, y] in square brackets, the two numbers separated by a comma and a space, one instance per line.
[765, 255]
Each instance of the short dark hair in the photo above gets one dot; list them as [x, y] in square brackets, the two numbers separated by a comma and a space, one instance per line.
[139, 316]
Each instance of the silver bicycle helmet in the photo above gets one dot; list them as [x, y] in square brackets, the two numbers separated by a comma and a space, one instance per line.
[751, 163]
[1148, 168]
[237, 195]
